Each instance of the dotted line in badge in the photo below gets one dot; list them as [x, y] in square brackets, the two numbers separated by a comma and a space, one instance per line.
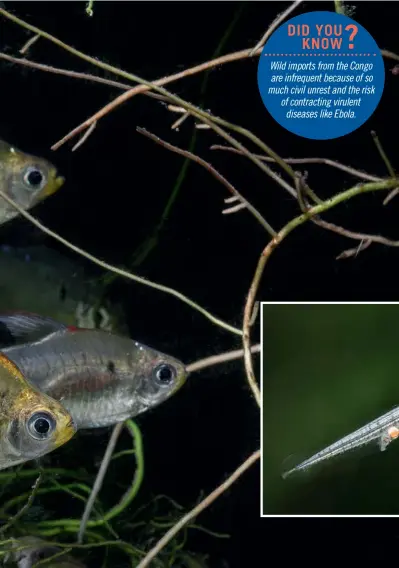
[320, 54]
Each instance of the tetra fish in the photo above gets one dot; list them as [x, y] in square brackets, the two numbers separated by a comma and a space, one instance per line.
[99, 377]
[24, 178]
[31, 423]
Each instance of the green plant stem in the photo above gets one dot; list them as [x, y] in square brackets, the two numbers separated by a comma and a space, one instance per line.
[26, 473]
[127, 497]
[339, 7]
[383, 155]
[42, 491]
[23, 509]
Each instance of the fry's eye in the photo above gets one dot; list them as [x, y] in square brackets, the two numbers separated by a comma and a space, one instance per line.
[34, 178]
[164, 374]
[41, 425]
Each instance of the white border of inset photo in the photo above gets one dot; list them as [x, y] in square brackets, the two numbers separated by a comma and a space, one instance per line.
[261, 404]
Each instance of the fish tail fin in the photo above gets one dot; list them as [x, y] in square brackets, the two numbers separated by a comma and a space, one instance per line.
[289, 466]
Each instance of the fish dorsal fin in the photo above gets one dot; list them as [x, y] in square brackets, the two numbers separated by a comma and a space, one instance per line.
[25, 327]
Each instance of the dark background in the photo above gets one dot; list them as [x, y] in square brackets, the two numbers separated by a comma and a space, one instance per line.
[118, 183]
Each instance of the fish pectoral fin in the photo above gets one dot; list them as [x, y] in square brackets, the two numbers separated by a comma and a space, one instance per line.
[384, 441]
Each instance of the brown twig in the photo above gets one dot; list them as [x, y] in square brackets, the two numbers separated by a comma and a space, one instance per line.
[145, 85]
[212, 171]
[254, 316]
[99, 479]
[352, 171]
[390, 196]
[278, 20]
[364, 237]
[354, 251]
[220, 358]
[230, 57]
[84, 137]
[354, 235]
[120, 271]
[234, 209]
[74, 74]
[389, 54]
[271, 246]
[28, 44]
[222, 488]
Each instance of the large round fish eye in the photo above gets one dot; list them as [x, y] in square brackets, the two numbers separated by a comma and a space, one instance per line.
[34, 178]
[41, 425]
[164, 374]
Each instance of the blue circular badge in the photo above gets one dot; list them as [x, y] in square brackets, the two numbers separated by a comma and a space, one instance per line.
[321, 75]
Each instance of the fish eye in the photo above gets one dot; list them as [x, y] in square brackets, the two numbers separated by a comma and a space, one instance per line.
[41, 425]
[164, 374]
[33, 178]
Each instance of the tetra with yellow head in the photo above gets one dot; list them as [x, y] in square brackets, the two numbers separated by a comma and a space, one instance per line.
[31, 423]
[25, 179]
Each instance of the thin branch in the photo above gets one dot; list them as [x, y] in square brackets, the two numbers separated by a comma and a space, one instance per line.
[234, 209]
[389, 54]
[250, 155]
[120, 271]
[390, 196]
[324, 224]
[99, 479]
[145, 85]
[197, 510]
[254, 316]
[382, 153]
[231, 199]
[354, 235]
[352, 171]
[228, 58]
[268, 250]
[220, 358]
[180, 121]
[388, 165]
[84, 137]
[348, 253]
[28, 44]
[214, 172]
[279, 20]
[300, 187]
[74, 74]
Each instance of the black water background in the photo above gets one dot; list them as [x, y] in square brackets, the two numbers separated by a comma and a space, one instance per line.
[118, 184]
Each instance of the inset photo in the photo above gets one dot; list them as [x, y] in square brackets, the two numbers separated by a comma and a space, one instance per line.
[330, 409]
